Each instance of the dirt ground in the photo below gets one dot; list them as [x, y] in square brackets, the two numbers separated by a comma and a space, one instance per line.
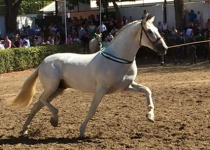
[181, 96]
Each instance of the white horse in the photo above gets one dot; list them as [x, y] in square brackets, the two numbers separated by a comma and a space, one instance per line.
[111, 70]
[95, 44]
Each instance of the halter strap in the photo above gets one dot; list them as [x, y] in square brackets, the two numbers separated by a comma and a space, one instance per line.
[153, 42]
[114, 58]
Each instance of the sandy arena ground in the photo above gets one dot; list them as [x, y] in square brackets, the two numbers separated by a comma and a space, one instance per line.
[181, 96]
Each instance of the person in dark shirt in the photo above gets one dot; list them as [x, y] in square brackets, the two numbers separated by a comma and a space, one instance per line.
[193, 50]
[179, 51]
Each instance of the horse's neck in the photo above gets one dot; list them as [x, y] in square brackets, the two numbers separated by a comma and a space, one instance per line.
[125, 45]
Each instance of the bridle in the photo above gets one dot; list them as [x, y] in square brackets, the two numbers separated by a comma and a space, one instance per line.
[153, 42]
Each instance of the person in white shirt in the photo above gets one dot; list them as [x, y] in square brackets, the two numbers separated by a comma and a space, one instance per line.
[189, 32]
[102, 29]
[1, 45]
[110, 37]
[105, 43]
[27, 40]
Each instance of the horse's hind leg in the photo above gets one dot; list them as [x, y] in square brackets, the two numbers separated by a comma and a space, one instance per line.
[43, 98]
[135, 87]
[39, 105]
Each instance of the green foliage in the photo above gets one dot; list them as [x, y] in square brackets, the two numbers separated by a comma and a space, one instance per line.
[32, 6]
[23, 58]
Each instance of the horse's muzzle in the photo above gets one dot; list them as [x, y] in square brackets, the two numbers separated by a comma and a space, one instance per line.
[161, 48]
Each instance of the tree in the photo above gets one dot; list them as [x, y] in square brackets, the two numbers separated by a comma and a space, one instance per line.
[179, 13]
[12, 7]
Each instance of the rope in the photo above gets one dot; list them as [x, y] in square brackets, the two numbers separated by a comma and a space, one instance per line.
[206, 41]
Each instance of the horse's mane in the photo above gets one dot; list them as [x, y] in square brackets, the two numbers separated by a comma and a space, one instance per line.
[124, 27]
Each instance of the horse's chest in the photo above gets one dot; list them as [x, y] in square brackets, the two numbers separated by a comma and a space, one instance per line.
[120, 82]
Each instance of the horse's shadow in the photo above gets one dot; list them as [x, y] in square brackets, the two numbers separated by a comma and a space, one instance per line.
[30, 141]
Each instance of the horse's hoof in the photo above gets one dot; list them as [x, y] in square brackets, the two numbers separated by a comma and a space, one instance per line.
[24, 133]
[150, 118]
[82, 136]
[54, 122]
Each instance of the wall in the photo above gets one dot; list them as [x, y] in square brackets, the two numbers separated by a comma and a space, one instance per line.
[136, 12]
[2, 26]
[25, 20]
[157, 11]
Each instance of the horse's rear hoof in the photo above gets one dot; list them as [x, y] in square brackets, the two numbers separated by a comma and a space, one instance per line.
[54, 122]
[23, 133]
[150, 118]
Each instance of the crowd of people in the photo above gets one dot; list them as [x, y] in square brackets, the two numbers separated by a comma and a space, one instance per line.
[82, 30]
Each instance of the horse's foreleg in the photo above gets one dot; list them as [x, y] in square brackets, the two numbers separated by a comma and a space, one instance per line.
[135, 87]
[94, 105]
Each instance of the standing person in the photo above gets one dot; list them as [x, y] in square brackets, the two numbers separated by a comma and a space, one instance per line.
[124, 21]
[199, 18]
[7, 42]
[17, 41]
[27, 39]
[160, 26]
[179, 51]
[192, 16]
[144, 15]
[1, 45]
[102, 29]
[37, 30]
[193, 50]
[69, 39]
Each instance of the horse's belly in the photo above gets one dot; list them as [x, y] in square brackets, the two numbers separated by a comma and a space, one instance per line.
[80, 79]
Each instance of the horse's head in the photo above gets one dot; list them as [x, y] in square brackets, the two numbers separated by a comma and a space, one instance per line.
[98, 37]
[150, 37]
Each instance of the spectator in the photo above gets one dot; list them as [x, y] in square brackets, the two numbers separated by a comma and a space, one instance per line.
[30, 32]
[179, 51]
[199, 17]
[118, 23]
[124, 21]
[43, 43]
[37, 30]
[109, 37]
[81, 32]
[174, 31]
[192, 16]
[160, 26]
[77, 40]
[130, 19]
[25, 44]
[105, 43]
[69, 40]
[1, 45]
[7, 42]
[189, 32]
[17, 41]
[165, 27]
[208, 24]
[102, 29]
[27, 39]
[144, 15]
[50, 41]
[114, 31]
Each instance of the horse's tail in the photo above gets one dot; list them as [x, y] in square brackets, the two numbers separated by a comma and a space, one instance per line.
[24, 98]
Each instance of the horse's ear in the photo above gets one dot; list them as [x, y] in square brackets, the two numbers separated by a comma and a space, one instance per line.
[144, 20]
[152, 19]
